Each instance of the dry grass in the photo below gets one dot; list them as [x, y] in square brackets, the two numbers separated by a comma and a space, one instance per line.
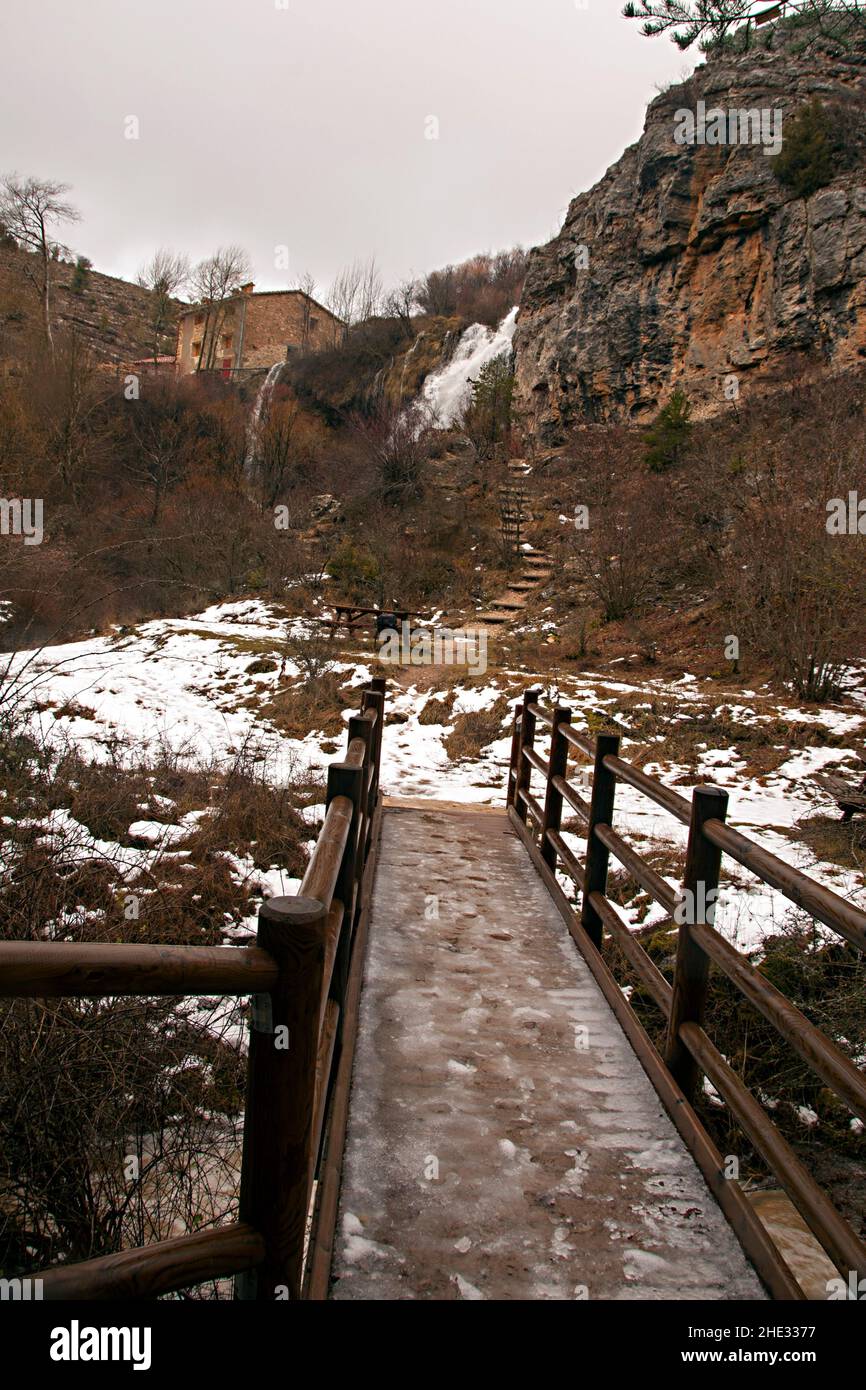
[472, 732]
[84, 1084]
[190, 894]
[316, 703]
[437, 710]
[833, 841]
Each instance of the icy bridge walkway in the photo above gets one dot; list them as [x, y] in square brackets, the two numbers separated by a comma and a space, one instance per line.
[504, 1140]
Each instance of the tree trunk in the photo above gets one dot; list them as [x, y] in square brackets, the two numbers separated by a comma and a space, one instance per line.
[46, 298]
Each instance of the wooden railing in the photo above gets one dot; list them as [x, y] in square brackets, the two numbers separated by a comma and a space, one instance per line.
[688, 1051]
[303, 973]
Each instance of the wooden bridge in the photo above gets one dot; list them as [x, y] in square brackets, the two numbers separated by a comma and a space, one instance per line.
[449, 1095]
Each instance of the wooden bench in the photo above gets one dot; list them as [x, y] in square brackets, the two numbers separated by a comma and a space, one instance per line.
[849, 798]
[350, 615]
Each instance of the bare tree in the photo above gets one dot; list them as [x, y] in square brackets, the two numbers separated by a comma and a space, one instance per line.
[164, 275]
[166, 447]
[401, 303]
[618, 543]
[71, 402]
[481, 289]
[437, 292]
[215, 280]
[306, 285]
[28, 210]
[357, 292]
[286, 454]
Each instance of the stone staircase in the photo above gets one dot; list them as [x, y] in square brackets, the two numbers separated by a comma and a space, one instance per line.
[515, 505]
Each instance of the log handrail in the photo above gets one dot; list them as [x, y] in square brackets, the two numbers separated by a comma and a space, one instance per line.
[835, 1235]
[535, 760]
[820, 902]
[91, 970]
[162, 1267]
[574, 798]
[817, 1051]
[320, 878]
[296, 974]
[688, 1051]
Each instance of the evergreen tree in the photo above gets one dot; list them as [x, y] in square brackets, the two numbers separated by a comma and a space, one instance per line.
[811, 152]
[488, 416]
[81, 275]
[707, 21]
[669, 433]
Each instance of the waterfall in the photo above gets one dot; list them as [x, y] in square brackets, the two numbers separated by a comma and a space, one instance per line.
[263, 400]
[446, 393]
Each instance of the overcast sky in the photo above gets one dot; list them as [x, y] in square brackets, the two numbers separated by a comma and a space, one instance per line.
[305, 123]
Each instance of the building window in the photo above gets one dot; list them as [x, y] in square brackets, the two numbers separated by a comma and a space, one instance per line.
[227, 342]
[196, 349]
[199, 318]
[313, 321]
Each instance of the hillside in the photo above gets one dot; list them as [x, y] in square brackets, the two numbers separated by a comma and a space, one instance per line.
[109, 314]
[699, 263]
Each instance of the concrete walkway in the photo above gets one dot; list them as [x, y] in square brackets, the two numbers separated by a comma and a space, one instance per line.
[504, 1141]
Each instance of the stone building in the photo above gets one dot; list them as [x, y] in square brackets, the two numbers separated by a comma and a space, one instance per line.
[251, 330]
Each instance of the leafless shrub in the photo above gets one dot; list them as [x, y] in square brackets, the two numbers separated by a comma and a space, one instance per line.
[796, 588]
[120, 1118]
[621, 554]
[396, 443]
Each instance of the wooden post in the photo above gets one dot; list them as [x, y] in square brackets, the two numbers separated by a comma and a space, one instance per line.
[373, 701]
[511, 791]
[344, 780]
[597, 855]
[281, 1082]
[556, 768]
[373, 698]
[697, 904]
[362, 726]
[526, 740]
[369, 774]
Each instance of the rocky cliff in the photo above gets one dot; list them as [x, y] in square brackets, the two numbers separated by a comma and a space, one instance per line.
[693, 265]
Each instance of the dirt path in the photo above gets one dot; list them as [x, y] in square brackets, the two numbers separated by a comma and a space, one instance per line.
[504, 1141]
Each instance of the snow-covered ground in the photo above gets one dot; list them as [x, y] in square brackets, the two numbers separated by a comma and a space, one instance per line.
[185, 684]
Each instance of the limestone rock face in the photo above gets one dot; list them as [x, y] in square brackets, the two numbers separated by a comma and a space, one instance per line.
[699, 264]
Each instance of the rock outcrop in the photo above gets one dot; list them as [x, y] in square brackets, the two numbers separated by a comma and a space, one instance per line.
[701, 269]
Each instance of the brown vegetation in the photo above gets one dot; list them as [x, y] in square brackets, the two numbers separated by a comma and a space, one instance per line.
[120, 1117]
[730, 541]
